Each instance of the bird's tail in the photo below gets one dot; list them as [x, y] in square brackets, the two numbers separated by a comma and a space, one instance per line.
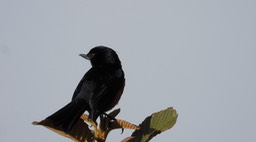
[65, 118]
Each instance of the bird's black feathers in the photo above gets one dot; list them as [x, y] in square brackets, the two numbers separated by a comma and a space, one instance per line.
[98, 91]
[65, 118]
[104, 56]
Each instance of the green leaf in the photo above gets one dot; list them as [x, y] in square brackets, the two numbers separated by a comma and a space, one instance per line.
[155, 124]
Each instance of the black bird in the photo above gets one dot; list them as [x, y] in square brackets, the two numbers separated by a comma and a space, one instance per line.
[99, 90]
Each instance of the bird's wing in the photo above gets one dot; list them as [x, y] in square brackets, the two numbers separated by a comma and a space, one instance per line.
[101, 89]
[87, 85]
[106, 92]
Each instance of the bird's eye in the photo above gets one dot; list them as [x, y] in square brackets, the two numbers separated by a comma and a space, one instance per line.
[91, 55]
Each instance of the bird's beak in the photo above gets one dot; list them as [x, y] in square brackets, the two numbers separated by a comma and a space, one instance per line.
[85, 56]
[88, 56]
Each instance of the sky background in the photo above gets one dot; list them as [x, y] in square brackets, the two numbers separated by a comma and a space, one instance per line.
[195, 55]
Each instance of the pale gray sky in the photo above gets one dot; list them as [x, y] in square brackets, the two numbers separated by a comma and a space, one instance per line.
[195, 55]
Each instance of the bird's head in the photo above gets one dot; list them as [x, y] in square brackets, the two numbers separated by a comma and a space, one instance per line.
[101, 55]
